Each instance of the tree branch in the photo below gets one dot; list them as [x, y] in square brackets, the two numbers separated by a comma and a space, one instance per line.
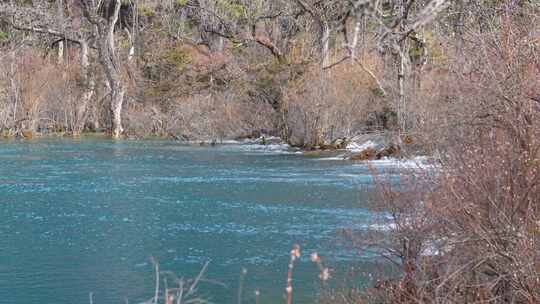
[47, 31]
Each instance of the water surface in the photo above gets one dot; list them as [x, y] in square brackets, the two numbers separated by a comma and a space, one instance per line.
[85, 216]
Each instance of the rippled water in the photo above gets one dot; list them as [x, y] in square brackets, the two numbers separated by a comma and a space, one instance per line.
[80, 217]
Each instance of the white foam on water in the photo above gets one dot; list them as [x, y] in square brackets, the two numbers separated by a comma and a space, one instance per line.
[258, 148]
[418, 162]
[355, 147]
[230, 142]
[380, 226]
[341, 157]
[270, 144]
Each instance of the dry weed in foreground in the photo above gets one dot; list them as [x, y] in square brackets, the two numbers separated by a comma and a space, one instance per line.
[324, 272]
[185, 291]
[294, 255]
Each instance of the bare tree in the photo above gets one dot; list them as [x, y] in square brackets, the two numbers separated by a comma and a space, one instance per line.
[104, 16]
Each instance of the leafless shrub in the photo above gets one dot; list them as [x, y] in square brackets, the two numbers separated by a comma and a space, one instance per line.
[324, 105]
[211, 117]
[468, 232]
[44, 94]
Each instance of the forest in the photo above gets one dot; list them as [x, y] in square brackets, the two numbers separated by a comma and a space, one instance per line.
[457, 80]
[309, 72]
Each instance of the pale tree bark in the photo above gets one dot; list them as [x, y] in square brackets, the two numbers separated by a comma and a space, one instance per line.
[13, 91]
[131, 51]
[325, 44]
[13, 88]
[459, 33]
[109, 60]
[358, 29]
[88, 84]
[60, 20]
[133, 35]
[401, 73]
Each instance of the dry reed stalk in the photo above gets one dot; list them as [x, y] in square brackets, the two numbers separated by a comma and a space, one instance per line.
[294, 254]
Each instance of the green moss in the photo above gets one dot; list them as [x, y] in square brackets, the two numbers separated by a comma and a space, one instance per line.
[232, 8]
[181, 2]
[4, 37]
[5, 133]
[145, 11]
[416, 51]
[124, 44]
[388, 12]
[377, 92]
[177, 57]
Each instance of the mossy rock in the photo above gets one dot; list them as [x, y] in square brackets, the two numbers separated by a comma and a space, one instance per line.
[28, 134]
[181, 2]
[407, 139]
[327, 147]
[335, 145]
[314, 153]
[72, 134]
[367, 154]
[391, 151]
[177, 57]
[5, 134]
[145, 11]
[4, 37]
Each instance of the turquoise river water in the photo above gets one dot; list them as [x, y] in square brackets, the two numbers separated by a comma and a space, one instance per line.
[86, 216]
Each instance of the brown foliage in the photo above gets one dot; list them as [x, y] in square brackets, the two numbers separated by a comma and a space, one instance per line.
[469, 232]
[45, 93]
[324, 105]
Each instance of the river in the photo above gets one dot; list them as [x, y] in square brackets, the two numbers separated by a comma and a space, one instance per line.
[81, 216]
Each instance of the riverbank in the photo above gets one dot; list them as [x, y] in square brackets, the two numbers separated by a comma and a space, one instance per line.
[384, 147]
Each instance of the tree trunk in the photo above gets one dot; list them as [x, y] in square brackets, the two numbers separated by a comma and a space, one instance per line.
[104, 29]
[459, 35]
[325, 44]
[13, 88]
[88, 85]
[114, 76]
[401, 93]
[356, 35]
[117, 101]
[60, 20]
[402, 49]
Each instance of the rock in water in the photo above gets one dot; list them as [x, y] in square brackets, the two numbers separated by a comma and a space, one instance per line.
[372, 146]
[367, 154]
[340, 143]
[27, 134]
